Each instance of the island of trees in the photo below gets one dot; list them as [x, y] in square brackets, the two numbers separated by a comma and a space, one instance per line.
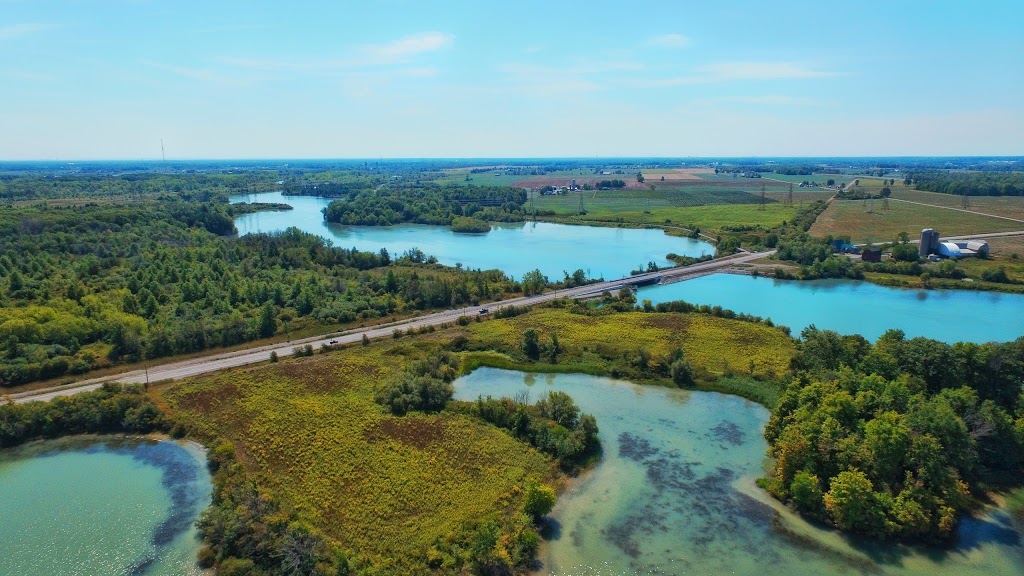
[428, 204]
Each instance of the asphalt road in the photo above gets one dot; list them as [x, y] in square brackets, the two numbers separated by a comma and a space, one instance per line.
[215, 362]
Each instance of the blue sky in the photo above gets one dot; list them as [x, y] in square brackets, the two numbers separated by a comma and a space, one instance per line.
[228, 79]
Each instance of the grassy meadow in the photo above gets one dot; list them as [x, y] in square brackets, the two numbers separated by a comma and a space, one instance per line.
[385, 488]
[391, 490]
[710, 219]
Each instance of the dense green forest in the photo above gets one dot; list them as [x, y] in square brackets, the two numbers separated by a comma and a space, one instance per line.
[199, 187]
[428, 204]
[82, 288]
[971, 183]
[896, 439]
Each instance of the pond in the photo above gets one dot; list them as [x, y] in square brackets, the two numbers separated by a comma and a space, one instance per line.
[674, 494]
[856, 307]
[514, 248]
[102, 505]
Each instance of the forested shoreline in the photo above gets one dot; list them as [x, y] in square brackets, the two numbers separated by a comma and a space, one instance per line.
[88, 287]
[897, 439]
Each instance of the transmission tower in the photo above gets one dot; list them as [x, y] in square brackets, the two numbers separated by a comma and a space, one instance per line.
[885, 203]
[789, 199]
[163, 155]
[964, 201]
[581, 201]
[761, 207]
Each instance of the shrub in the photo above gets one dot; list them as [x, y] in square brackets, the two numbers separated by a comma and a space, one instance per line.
[539, 500]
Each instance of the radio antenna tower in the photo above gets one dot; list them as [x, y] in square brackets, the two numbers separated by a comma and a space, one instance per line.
[163, 155]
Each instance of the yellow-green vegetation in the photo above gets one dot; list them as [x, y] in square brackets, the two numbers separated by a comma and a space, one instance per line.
[390, 490]
[596, 344]
[413, 494]
[867, 221]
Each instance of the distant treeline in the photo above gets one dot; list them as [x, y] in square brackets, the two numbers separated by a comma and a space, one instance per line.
[193, 187]
[428, 204]
[971, 183]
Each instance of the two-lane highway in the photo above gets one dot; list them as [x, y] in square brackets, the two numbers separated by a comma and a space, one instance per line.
[213, 363]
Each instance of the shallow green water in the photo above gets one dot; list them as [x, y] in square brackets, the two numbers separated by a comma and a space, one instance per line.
[857, 307]
[105, 506]
[513, 248]
[675, 494]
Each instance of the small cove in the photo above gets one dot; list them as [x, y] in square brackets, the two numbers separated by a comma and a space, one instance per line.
[102, 505]
[675, 494]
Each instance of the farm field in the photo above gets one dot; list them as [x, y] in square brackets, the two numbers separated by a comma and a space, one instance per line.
[707, 207]
[1007, 247]
[388, 489]
[710, 219]
[849, 218]
[1008, 206]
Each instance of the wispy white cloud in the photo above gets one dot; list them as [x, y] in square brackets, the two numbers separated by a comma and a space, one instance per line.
[18, 30]
[585, 76]
[745, 71]
[763, 71]
[406, 47]
[222, 28]
[768, 99]
[25, 75]
[670, 41]
[203, 74]
[401, 51]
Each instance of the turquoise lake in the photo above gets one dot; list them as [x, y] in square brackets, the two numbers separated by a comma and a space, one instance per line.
[513, 248]
[674, 494]
[856, 307]
[102, 506]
